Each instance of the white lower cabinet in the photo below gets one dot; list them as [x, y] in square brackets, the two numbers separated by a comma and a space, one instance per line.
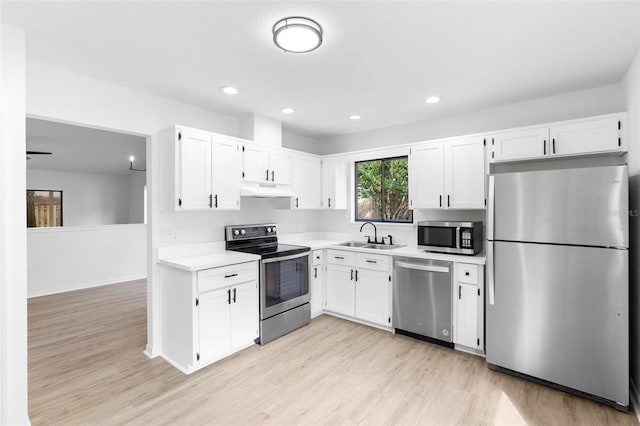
[317, 283]
[469, 306]
[358, 285]
[208, 314]
[341, 290]
[372, 297]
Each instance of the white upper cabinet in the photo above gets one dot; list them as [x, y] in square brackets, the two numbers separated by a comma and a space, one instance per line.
[262, 164]
[519, 144]
[602, 134]
[586, 136]
[280, 166]
[255, 163]
[193, 161]
[307, 181]
[207, 171]
[335, 183]
[225, 173]
[426, 176]
[447, 174]
[464, 173]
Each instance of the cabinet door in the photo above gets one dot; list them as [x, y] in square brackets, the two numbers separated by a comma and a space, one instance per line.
[226, 174]
[193, 169]
[426, 176]
[519, 144]
[335, 183]
[464, 173]
[280, 167]
[467, 316]
[372, 297]
[244, 314]
[255, 163]
[307, 181]
[213, 324]
[317, 290]
[586, 136]
[340, 290]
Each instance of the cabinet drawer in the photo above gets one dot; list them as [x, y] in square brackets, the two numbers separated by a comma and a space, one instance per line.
[467, 273]
[317, 256]
[339, 257]
[376, 262]
[225, 276]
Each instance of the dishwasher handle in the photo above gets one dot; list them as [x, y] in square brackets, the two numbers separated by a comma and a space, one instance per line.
[427, 268]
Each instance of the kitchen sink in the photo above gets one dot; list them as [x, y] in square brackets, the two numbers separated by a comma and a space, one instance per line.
[353, 244]
[382, 246]
[359, 244]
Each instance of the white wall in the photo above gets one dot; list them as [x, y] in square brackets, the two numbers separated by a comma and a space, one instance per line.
[599, 100]
[89, 199]
[65, 259]
[300, 142]
[136, 182]
[631, 85]
[13, 249]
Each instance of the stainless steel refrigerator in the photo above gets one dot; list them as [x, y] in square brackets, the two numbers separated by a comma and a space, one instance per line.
[557, 273]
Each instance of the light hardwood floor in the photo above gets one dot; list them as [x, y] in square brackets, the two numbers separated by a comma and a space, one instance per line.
[86, 367]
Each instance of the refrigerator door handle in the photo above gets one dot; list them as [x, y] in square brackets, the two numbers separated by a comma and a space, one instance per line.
[490, 208]
[490, 272]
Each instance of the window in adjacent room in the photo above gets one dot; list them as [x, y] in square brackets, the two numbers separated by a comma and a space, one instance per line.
[382, 190]
[44, 208]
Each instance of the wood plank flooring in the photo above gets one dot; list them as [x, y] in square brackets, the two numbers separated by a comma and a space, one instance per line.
[86, 367]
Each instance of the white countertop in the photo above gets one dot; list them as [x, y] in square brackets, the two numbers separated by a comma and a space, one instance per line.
[408, 251]
[208, 260]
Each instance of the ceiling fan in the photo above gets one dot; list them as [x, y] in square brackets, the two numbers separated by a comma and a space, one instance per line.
[30, 153]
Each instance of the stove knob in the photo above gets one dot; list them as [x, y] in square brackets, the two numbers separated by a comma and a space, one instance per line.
[236, 232]
[268, 230]
[242, 232]
[273, 229]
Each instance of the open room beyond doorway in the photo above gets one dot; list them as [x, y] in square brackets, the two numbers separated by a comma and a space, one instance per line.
[86, 207]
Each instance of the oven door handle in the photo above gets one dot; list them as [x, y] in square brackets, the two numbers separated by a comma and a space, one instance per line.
[293, 256]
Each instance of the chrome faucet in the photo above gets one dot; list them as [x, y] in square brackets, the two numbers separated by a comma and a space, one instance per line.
[375, 232]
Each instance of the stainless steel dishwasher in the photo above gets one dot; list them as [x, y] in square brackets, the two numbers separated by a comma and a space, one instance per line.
[422, 299]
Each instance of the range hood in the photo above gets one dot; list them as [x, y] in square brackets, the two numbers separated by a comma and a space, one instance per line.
[266, 191]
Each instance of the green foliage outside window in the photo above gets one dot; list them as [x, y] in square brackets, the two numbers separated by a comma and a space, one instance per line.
[382, 190]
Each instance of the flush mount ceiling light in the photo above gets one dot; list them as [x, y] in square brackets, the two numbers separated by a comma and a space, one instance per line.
[228, 90]
[354, 117]
[432, 100]
[287, 110]
[297, 34]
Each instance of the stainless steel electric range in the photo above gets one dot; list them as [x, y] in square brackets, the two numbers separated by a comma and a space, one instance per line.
[284, 278]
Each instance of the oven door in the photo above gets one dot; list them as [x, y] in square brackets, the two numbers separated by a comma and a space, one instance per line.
[284, 283]
[439, 238]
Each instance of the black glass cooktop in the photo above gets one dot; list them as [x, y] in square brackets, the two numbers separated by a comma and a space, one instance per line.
[272, 250]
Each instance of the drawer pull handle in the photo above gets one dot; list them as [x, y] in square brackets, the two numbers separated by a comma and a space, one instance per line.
[338, 257]
[372, 261]
[231, 275]
[466, 273]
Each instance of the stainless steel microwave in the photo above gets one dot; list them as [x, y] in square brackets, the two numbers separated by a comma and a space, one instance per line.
[450, 237]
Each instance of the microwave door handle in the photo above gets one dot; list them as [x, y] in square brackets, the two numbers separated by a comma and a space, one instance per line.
[458, 237]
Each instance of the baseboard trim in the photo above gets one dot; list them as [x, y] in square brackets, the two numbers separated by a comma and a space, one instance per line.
[82, 286]
[633, 398]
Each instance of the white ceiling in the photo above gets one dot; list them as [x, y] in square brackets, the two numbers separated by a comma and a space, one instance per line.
[379, 59]
[82, 149]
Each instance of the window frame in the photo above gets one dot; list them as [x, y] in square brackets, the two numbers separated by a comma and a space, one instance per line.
[61, 207]
[382, 176]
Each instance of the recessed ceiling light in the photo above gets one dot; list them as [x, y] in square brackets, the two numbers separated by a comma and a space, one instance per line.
[297, 34]
[354, 117]
[287, 110]
[229, 90]
[432, 100]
